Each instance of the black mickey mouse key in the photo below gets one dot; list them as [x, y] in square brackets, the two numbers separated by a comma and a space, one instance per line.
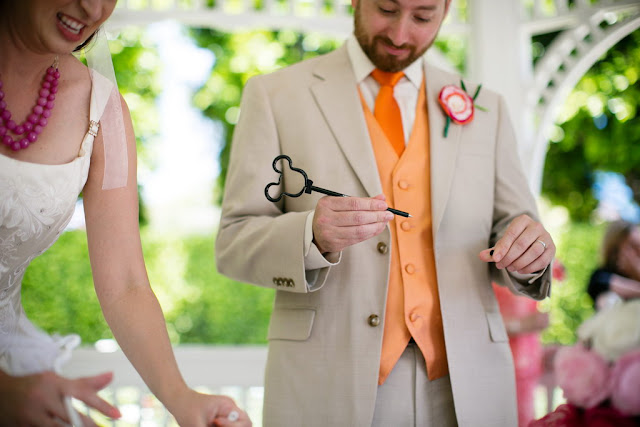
[308, 186]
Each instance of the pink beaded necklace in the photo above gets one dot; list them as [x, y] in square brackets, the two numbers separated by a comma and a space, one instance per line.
[27, 133]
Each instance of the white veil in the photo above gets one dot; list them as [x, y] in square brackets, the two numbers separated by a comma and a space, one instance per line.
[112, 123]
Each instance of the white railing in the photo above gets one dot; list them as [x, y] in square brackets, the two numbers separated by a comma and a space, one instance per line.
[334, 16]
[544, 16]
[236, 371]
[325, 16]
[588, 32]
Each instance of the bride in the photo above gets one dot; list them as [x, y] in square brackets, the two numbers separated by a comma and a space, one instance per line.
[64, 129]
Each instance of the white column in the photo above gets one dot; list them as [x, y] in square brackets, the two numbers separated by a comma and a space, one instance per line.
[500, 59]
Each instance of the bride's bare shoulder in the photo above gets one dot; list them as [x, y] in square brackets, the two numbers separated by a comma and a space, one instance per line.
[75, 74]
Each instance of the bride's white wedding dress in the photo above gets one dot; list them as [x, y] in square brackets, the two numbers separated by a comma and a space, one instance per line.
[36, 204]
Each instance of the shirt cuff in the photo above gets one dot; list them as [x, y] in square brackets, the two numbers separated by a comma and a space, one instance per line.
[313, 259]
[529, 278]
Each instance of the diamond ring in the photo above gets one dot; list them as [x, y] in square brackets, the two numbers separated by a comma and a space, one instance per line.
[233, 416]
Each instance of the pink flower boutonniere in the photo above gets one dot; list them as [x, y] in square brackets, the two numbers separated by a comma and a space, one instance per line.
[458, 105]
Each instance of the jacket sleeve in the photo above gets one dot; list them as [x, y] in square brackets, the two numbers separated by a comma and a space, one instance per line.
[258, 241]
[513, 197]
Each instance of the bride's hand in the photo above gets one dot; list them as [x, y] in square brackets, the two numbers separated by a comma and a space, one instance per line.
[194, 409]
[39, 399]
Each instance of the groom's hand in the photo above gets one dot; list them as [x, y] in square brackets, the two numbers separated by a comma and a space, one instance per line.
[526, 247]
[340, 222]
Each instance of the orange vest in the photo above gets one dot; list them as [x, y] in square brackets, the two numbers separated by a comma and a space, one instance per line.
[413, 304]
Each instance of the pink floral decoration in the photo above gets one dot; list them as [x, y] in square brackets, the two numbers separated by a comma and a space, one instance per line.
[565, 415]
[558, 271]
[606, 416]
[625, 394]
[569, 415]
[584, 376]
[457, 104]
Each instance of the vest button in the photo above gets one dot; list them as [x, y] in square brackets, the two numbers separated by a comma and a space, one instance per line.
[406, 226]
[410, 268]
[382, 248]
[373, 320]
[403, 184]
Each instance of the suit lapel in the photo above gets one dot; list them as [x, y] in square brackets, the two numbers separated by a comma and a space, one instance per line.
[444, 151]
[336, 94]
[337, 97]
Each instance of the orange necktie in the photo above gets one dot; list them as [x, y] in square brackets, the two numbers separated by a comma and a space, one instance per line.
[386, 110]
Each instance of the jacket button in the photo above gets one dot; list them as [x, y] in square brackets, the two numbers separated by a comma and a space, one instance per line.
[405, 226]
[410, 268]
[403, 184]
[382, 247]
[373, 320]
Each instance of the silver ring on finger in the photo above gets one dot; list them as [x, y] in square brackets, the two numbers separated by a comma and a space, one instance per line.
[233, 416]
[544, 245]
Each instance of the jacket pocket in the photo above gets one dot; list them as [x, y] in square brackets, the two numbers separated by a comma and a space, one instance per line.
[291, 324]
[496, 327]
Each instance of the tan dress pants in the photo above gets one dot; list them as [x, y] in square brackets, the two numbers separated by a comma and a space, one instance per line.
[408, 399]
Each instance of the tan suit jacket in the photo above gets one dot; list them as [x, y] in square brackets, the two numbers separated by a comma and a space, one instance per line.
[324, 354]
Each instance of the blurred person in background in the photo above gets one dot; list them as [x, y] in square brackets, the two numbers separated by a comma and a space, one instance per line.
[618, 278]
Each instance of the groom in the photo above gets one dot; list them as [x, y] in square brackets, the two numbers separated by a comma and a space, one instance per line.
[381, 320]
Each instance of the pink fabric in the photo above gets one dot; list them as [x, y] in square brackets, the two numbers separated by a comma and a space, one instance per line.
[584, 376]
[568, 415]
[564, 416]
[526, 349]
[625, 394]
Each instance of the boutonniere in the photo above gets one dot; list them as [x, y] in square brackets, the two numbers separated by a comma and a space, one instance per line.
[458, 105]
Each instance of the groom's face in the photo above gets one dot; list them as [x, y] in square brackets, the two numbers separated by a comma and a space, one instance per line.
[394, 33]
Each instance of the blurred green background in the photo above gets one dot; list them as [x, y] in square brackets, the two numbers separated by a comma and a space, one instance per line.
[598, 130]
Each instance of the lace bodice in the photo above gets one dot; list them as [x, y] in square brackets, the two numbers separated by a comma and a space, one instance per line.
[36, 204]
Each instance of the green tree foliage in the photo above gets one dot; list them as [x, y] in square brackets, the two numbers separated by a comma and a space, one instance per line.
[137, 66]
[578, 247]
[598, 129]
[200, 305]
[238, 57]
[57, 290]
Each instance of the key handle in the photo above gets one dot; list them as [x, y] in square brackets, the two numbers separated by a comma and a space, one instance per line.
[305, 189]
[308, 186]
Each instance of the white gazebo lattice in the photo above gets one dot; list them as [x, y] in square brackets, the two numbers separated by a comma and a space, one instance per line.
[498, 33]
[587, 32]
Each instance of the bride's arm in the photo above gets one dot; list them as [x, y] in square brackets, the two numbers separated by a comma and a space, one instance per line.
[129, 305]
